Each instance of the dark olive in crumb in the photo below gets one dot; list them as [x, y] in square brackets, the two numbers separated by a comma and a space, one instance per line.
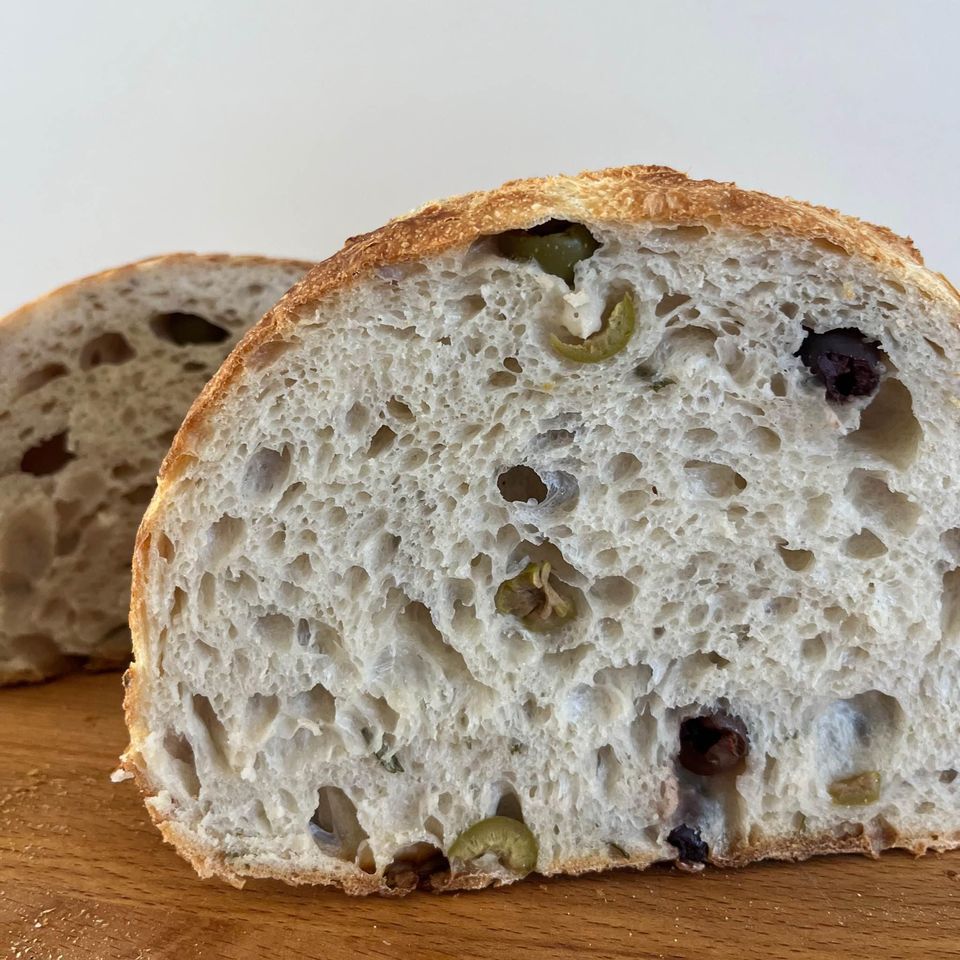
[714, 743]
[844, 361]
[691, 848]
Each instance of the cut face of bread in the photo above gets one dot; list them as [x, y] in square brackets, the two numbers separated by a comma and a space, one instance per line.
[594, 521]
[94, 381]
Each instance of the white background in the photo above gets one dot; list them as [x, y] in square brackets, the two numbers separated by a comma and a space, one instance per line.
[130, 128]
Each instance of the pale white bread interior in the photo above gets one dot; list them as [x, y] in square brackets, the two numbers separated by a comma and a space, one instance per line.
[94, 381]
[321, 678]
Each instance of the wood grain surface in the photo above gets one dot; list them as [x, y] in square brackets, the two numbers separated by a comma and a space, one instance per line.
[85, 876]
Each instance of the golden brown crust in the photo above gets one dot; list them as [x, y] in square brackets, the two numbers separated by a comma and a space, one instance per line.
[637, 194]
[209, 862]
[617, 195]
[23, 313]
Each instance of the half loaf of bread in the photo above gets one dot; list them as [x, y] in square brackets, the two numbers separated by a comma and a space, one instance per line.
[94, 381]
[592, 521]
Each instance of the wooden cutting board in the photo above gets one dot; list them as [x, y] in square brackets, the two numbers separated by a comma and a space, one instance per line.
[85, 876]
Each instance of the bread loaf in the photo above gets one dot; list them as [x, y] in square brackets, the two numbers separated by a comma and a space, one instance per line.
[590, 522]
[94, 381]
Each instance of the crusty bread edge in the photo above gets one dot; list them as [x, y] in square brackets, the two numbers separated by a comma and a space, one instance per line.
[22, 313]
[616, 195]
[209, 862]
[26, 314]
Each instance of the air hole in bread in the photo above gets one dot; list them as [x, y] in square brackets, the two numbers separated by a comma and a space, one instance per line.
[622, 466]
[796, 560]
[872, 497]
[948, 776]
[213, 742]
[567, 660]
[193, 366]
[291, 496]
[40, 378]
[417, 866]
[697, 614]
[509, 803]
[183, 329]
[701, 437]
[260, 712]
[300, 570]
[713, 743]
[179, 750]
[275, 631]
[414, 622]
[267, 354]
[501, 379]
[814, 649]
[818, 510]
[783, 607]
[609, 769]
[857, 734]
[713, 479]
[399, 410]
[778, 385]
[465, 621]
[164, 546]
[694, 667]
[613, 593]
[679, 347]
[357, 418]
[741, 366]
[108, 348]
[763, 440]
[670, 302]
[266, 472]
[141, 495]
[207, 593]
[316, 705]
[47, 457]
[178, 602]
[434, 827]
[412, 459]
[521, 484]
[223, 539]
[865, 545]
[950, 606]
[888, 428]
[335, 826]
[124, 471]
[382, 439]
[950, 543]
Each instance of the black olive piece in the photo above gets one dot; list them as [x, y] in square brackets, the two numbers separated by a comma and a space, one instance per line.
[690, 846]
[714, 743]
[844, 361]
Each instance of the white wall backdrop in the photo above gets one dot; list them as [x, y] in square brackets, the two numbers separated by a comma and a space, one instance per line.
[130, 128]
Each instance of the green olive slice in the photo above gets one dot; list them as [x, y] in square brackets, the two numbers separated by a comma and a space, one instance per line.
[608, 341]
[557, 253]
[533, 600]
[856, 791]
[512, 842]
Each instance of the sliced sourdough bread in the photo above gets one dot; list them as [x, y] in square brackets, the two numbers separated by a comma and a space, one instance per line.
[94, 381]
[592, 521]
